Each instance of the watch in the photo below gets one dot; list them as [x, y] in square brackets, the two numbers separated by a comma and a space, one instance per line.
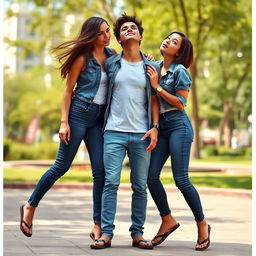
[155, 126]
[159, 89]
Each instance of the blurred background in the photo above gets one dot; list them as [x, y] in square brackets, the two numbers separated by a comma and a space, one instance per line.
[220, 101]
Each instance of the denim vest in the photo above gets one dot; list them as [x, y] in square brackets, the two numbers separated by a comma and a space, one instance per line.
[177, 78]
[88, 80]
[112, 66]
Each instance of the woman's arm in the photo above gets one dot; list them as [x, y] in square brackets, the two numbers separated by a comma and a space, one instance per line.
[170, 98]
[64, 132]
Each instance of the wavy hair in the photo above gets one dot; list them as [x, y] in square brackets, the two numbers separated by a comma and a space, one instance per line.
[81, 46]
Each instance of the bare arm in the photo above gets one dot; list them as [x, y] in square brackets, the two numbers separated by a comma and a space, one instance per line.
[64, 132]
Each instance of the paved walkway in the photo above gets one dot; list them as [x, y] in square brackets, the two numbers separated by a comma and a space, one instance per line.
[63, 221]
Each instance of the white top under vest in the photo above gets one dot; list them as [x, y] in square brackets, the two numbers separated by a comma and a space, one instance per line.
[101, 95]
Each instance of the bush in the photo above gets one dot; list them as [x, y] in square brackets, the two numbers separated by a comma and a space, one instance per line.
[21, 151]
[210, 150]
[7, 146]
[222, 151]
[248, 152]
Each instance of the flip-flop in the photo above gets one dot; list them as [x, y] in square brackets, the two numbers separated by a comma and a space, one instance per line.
[105, 245]
[138, 245]
[165, 235]
[92, 236]
[24, 222]
[204, 241]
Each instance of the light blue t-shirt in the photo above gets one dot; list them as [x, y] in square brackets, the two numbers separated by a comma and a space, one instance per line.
[128, 110]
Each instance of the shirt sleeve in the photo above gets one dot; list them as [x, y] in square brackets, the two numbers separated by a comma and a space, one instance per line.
[182, 79]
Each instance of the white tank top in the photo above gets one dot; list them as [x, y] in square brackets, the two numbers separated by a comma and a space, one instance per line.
[101, 95]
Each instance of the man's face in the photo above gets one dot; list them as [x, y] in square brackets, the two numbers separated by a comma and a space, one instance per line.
[129, 31]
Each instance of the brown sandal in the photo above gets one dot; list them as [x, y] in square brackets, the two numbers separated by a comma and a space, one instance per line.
[165, 235]
[24, 222]
[204, 241]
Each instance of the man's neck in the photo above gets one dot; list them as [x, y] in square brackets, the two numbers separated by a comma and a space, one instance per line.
[131, 53]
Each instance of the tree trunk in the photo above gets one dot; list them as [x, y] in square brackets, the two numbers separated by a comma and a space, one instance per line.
[224, 128]
[195, 153]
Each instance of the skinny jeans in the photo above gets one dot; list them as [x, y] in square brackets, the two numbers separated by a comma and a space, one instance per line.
[175, 139]
[85, 121]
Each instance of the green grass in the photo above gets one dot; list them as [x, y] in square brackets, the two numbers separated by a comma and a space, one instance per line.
[238, 160]
[208, 179]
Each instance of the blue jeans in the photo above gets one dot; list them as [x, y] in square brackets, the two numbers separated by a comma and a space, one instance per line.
[174, 140]
[116, 144]
[85, 121]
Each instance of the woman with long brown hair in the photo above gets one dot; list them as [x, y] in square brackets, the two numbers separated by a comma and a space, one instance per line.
[81, 117]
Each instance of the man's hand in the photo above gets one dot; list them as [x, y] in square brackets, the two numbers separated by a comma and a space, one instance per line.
[152, 134]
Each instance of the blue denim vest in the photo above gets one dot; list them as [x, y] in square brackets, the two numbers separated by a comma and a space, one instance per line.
[88, 80]
[112, 66]
[177, 78]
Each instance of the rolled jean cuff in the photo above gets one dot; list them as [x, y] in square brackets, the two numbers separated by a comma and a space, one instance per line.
[133, 235]
[32, 204]
[108, 235]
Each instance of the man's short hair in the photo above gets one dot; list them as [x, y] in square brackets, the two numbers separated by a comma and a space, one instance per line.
[123, 19]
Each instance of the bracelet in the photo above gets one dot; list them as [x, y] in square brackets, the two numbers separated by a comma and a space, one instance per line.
[155, 126]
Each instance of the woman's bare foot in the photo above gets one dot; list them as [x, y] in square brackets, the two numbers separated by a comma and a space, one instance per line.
[203, 234]
[28, 215]
[96, 232]
[168, 222]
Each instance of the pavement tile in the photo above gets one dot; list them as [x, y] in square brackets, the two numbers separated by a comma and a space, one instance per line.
[63, 221]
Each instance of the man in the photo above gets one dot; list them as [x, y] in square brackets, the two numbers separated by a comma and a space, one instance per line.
[131, 125]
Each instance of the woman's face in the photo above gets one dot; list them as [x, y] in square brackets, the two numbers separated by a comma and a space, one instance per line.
[171, 45]
[103, 38]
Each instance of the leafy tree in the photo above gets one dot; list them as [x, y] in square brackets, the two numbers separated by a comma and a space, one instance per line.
[220, 32]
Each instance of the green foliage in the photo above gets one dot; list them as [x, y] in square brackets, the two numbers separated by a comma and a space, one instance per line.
[25, 95]
[231, 152]
[19, 151]
[219, 30]
[210, 150]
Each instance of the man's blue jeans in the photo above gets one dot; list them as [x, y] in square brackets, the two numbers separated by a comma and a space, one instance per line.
[85, 121]
[116, 144]
[174, 140]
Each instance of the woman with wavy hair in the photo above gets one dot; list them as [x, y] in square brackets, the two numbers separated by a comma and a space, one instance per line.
[81, 116]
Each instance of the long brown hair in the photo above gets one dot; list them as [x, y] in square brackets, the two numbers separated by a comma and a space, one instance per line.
[82, 45]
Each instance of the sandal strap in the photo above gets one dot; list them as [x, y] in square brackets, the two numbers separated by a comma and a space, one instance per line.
[159, 236]
[29, 227]
[204, 241]
[142, 240]
[101, 240]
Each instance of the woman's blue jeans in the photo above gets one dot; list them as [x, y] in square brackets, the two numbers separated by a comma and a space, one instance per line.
[116, 144]
[85, 121]
[175, 139]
